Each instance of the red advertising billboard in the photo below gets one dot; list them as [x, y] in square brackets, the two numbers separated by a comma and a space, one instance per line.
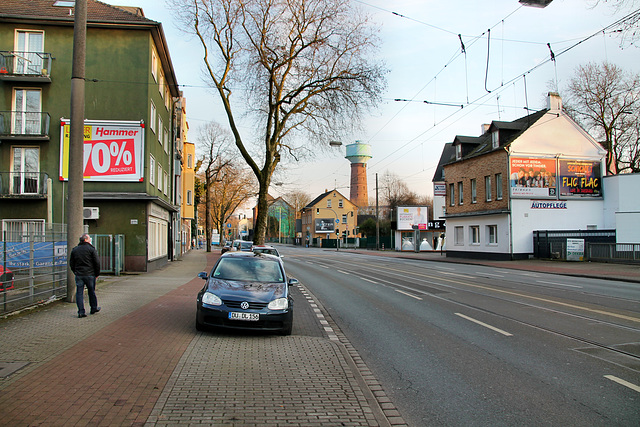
[532, 177]
[113, 150]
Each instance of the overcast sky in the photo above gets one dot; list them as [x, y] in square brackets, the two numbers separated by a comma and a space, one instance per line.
[422, 49]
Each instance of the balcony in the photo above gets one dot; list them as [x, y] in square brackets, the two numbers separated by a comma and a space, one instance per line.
[23, 185]
[24, 125]
[25, 66]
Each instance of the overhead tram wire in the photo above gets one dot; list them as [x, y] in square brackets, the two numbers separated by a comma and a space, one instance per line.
[504, 85]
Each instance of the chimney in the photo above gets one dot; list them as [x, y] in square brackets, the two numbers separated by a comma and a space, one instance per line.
[554, 102]
[484, 128]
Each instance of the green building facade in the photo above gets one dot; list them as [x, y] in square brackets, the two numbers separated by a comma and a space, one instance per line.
[131, 184]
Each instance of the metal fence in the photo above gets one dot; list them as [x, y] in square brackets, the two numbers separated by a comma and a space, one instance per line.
[613, 252]
[34, 263]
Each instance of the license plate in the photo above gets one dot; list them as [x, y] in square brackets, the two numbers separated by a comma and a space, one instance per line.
[239, 315]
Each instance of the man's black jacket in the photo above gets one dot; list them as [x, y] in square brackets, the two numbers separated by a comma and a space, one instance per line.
[84, 260]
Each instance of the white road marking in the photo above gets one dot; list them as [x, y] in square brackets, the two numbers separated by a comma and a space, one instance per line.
[623, 382]
[408, 294]
[558, 284]
[343, 272]
[489, 274]
[457, 274]
[370, 281]
[493, 328]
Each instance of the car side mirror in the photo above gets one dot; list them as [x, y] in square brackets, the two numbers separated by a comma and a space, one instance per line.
[293, 281]
[203, 275]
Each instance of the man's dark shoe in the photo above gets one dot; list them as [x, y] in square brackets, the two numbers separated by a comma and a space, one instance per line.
[82, 315]
[96, 310]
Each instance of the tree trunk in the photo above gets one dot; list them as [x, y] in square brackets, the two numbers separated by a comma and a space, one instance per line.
[207, 204]
[260, 224]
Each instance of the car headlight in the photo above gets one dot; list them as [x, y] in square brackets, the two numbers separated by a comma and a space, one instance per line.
[211, 299]
[279, 304]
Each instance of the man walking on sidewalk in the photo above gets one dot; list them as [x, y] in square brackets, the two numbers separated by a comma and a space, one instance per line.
[85, 264]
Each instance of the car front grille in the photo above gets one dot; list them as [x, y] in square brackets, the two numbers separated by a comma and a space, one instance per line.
[252, 305]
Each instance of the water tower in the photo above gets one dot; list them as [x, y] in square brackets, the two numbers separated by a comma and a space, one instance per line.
[359, 154]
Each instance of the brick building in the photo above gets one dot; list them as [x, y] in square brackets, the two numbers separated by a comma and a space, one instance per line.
[539, 172]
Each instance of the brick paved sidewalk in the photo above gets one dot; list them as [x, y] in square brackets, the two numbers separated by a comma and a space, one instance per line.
[140, 361]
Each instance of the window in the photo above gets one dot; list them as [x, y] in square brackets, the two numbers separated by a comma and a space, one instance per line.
[474, 191]
[27, 113]
[166, 183]
[29, 46]
[189, 197]
[495, 139]
[487, 188]
[492, 234]
[154, 64]
[458, 152]
[452, 195]
[160, 127]
[152, 117]
[167, 97]
[340, 203]
[161, 84]
[328, 203]
[460, 195]
[474, 232]
[165, 141]
[189, 161]
[458, 236]
[152, 170]
[158, 237]
[317, 211]
[25, 168]
[498, 186]
[160, 177]
[344, 219]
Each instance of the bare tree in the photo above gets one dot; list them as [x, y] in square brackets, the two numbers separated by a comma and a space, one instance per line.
[214, 144]
[627, 27]
[605, 100]
[305, 70]
[297, 199]
[395, 192]
[232, 187]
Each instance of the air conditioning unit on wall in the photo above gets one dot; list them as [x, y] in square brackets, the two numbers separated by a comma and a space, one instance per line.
[91, 213]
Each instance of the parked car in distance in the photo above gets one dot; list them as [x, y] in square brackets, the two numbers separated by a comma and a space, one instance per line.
[242, 245]
[6, 278]
[265, 249]
[226, 247]
[246, 291]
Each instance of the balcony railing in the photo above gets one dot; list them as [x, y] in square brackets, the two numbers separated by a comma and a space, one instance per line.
[24, 125]
[23, 184]
[25, 66]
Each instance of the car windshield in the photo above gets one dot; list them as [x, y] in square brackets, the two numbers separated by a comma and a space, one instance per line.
[246, 245]
[248, 270]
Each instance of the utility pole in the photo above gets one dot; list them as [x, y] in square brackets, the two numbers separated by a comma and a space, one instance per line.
[76, 139]
[377, 218]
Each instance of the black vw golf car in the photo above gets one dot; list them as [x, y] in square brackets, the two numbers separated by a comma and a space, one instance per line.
[246, 291]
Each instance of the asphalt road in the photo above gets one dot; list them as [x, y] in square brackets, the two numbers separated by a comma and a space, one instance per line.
[456, 344]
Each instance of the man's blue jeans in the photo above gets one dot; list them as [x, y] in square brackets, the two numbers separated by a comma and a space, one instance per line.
[90, 283]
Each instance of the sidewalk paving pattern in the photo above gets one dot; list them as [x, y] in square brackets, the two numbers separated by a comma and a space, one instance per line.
[141, 362]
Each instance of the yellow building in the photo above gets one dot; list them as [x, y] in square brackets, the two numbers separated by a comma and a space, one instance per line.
[188, 182]
[328, 216]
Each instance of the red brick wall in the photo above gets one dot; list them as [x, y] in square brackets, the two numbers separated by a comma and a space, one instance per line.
[478, 167]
